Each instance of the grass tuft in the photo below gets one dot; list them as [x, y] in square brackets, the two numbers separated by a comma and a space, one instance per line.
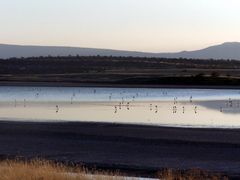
[42, 170]
[193, 174]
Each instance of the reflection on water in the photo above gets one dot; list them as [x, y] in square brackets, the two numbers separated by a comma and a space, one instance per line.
[165, 107]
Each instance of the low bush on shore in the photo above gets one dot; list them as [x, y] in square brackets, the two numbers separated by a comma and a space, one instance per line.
[194, 174]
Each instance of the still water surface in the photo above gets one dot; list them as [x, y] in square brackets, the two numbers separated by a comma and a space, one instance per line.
[163, 107]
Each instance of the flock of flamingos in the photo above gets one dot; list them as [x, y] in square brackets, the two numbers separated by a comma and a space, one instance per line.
[126, 102]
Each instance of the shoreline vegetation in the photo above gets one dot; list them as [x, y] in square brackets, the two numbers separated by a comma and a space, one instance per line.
[120, 72]
[49, 170]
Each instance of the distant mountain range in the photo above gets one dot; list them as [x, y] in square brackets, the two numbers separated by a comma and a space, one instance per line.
[228, 50]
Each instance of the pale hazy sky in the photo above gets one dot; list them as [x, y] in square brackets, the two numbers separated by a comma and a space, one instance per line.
[143, 25]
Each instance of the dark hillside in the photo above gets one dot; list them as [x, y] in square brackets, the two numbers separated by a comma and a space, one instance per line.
[121, 70]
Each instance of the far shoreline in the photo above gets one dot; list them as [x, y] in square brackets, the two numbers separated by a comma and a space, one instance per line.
[112, 85]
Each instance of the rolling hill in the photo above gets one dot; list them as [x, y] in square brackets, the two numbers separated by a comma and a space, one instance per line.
[229, 50]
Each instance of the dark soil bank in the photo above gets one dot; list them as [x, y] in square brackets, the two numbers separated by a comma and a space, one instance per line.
[119, 146]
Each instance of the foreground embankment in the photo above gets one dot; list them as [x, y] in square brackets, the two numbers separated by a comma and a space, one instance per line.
[130, 148]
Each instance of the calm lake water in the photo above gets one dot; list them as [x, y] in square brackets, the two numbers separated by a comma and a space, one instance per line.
[163, 107]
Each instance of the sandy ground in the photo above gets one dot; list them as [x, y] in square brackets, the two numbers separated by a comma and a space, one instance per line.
[133, 148]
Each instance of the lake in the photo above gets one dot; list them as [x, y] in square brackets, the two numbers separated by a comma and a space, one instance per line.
[196, 108]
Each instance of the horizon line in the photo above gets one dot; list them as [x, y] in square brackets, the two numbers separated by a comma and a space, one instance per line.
[109, 49]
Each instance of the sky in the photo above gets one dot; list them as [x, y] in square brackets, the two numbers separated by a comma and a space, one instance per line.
[139, 25]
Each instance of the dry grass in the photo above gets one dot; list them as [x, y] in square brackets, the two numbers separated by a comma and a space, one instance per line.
[47, 170]
[194, 174]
